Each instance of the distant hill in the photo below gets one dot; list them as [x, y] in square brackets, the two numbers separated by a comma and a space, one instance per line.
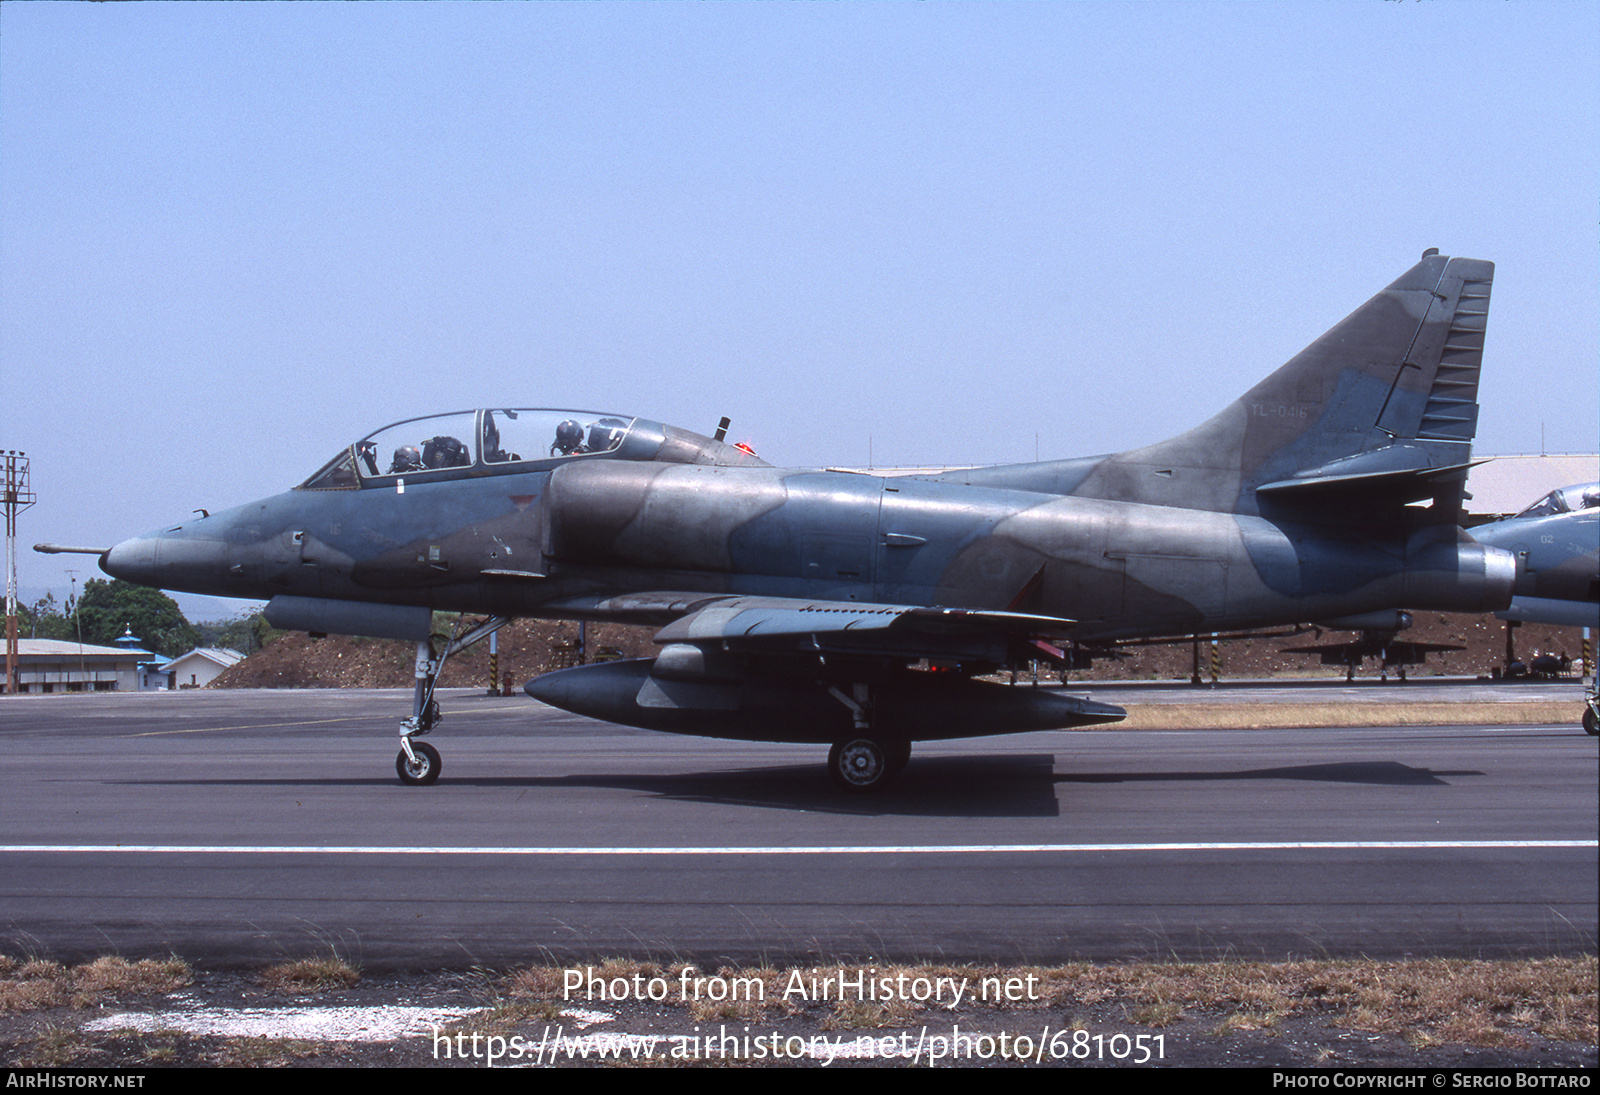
[527, 648]
[530, 647]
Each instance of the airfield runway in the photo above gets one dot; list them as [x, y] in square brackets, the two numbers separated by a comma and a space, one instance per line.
[242, 827]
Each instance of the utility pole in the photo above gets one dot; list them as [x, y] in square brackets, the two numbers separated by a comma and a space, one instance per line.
[18, 497]
[77, 622]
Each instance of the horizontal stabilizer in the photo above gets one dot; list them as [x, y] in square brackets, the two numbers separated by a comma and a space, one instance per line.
[1405, 484]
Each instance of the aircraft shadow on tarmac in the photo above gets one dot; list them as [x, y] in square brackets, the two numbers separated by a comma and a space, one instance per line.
[996, 785]
[1381, 773]
[1004, 785]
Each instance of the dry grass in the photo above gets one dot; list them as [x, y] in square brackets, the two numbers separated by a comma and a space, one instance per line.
[311, 975]
[1481, 1003]
[1246, 1020]
[1259, 716]
[54, 1047]
[29, 985]
[1426, 1001]
[1156, 1013]
[270, 1052]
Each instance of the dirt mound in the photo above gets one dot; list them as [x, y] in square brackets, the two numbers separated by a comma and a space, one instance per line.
[1483, 639]
[531, 647]
[527, 648]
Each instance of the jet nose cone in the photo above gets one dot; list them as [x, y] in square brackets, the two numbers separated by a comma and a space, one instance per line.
[133, 561]
[172, 560]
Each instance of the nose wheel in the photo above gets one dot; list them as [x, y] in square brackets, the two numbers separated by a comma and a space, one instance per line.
[421, 767]
[418, 763]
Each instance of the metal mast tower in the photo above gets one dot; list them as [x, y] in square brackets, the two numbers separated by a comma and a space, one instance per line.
[18, 497]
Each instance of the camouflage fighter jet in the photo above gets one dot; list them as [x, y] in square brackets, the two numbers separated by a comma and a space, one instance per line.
[1378, 640]
[856, 610]
[1556, 541]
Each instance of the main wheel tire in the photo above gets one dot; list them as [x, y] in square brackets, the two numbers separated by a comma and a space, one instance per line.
[424, 770]
[899, 755]
[859, 764]
[1590, 723]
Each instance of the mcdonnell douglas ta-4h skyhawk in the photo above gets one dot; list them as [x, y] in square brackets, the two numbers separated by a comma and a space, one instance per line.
[856, 610]
[1556, 542]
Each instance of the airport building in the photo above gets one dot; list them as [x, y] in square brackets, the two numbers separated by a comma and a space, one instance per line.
[199, 667]
[61, 665]
[1506, 485]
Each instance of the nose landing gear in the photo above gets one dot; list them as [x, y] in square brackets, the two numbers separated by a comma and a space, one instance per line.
[418, 763]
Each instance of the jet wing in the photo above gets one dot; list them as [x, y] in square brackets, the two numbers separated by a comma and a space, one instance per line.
[780, 624]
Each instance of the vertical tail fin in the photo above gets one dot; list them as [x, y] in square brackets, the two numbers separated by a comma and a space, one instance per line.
[1383, 406]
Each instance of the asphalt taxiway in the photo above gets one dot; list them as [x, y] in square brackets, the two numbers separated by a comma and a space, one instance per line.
[242, 827]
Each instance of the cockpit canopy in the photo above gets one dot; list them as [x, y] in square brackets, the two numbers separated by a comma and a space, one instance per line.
[1565, 500]
[503, 439]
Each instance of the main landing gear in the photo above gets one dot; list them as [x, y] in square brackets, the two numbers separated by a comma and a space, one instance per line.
[864, 762]
[418, 763]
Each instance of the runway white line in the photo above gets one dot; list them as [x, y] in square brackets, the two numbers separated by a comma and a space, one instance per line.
[836, 849]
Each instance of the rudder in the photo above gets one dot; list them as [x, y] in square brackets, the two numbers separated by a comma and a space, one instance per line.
[1382, 406]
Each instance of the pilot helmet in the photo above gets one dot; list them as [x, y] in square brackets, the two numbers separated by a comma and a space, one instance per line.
[569, 436]
[407, 456]
[1591, 498]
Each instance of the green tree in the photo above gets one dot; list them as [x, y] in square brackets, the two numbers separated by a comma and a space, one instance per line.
[107, 608]
[44, 620]
[246, 632]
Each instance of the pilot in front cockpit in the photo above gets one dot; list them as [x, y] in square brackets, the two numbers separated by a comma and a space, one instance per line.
[569, 439]
[406, 458]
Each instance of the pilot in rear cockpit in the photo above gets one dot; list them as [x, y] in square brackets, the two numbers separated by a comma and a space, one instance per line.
[445, 452]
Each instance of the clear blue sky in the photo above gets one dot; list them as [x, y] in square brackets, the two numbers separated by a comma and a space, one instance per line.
[234, 237]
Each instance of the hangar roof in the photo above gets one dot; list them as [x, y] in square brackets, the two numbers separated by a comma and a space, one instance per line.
[1507, 484]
